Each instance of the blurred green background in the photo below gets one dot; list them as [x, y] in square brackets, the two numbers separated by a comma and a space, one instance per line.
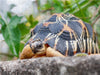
[19, 17]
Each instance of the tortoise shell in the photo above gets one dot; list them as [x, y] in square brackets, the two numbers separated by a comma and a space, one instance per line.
[66, 34]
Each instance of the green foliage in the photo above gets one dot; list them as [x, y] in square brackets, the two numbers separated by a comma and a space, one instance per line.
[55, 6]
[31, 22]
[15, 31]
[11, 33]
[77, 7]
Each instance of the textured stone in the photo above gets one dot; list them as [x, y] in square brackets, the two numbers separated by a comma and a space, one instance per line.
[86, 65]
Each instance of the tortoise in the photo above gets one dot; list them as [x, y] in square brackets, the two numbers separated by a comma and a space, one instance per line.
[61, 35]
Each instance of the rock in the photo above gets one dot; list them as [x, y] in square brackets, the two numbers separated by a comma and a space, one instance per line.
[86, 65]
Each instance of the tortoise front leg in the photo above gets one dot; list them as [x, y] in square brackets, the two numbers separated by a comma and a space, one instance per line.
[50, 52]
[26, 52]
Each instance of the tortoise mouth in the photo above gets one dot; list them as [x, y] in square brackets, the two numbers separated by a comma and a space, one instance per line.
[40, 52]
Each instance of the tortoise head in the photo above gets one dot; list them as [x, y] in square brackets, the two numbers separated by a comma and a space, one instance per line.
[32, 48]
[37, 46]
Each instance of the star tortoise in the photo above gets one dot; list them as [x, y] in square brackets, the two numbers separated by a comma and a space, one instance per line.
[61, 35]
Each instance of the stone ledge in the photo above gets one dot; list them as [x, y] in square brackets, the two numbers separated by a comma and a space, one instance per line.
[86, 65]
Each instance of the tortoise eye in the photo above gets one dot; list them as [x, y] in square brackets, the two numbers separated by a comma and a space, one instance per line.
[40, 46]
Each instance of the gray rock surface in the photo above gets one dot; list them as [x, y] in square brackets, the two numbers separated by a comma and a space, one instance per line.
[86, 65]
